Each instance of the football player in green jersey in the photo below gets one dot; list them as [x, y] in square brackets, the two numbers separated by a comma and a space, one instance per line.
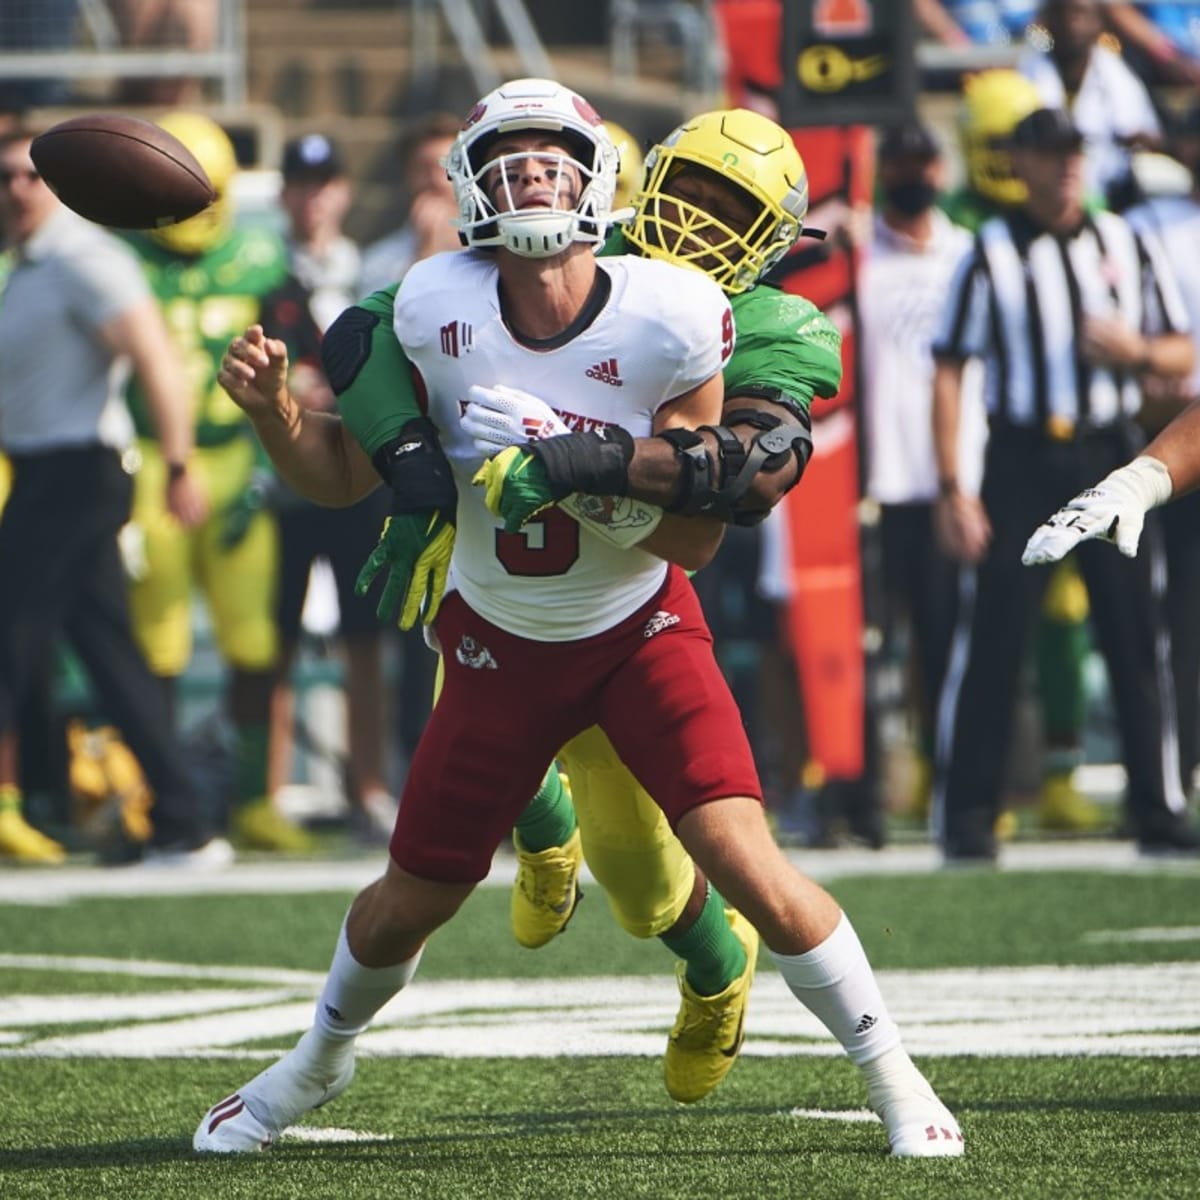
[209, 277]
[727, 194]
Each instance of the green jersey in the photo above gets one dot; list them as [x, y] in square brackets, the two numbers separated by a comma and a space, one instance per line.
[207, 301]
[783, 341]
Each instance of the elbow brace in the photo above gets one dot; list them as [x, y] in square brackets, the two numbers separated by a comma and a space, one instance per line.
[415, 467]
[716, 489]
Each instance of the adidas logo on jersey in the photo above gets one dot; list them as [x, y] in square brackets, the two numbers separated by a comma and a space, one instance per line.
[606, 372]
[660, 621]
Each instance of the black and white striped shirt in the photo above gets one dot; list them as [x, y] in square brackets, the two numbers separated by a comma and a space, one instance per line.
[1019, 298]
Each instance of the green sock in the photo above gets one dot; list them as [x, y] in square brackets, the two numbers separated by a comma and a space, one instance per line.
[714, 956]
[251, 781]
[549, 818]
[10, 798]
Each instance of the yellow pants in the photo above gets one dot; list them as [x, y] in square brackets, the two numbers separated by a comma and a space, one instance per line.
[239, 584]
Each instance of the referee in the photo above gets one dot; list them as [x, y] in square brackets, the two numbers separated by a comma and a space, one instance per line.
[1066, 311]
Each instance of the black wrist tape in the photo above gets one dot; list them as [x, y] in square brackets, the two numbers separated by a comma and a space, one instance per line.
[596, 463]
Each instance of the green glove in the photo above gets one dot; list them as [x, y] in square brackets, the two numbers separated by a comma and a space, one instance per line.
[254, 497]
[415, 548]
[518, 487]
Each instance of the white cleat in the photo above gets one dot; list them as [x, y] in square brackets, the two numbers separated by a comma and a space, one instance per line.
[918, 1124]
[254, 1117]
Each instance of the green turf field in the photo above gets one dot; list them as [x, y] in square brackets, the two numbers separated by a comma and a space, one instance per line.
[1057, 1012]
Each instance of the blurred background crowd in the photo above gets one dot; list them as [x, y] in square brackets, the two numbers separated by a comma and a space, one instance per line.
[322, 125]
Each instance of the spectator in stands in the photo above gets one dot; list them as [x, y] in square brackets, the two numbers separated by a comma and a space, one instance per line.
[1161, 40]
[429, 227]
[1107, 102]
[322, 281]
[982, 22]
[76, 312]
[160, 25]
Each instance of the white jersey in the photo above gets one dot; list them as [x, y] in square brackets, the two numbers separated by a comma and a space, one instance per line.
[662, 332]
[902, 291]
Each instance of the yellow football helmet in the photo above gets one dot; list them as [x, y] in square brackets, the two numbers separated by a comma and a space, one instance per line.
[214, 152]
[629, 173]
[754, 155]
[993, 102]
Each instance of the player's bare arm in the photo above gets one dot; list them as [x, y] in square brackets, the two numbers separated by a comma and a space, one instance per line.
[689, 543]
[962, 525]
[140, 333]
[311, 450]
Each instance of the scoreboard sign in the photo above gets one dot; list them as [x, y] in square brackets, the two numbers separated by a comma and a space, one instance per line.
[847, 62]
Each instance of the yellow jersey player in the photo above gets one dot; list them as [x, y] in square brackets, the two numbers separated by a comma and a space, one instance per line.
[209, 277]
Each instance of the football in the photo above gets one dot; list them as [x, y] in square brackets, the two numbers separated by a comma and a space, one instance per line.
[121, 171]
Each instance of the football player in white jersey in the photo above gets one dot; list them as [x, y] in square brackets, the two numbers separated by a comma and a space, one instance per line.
[551, 633]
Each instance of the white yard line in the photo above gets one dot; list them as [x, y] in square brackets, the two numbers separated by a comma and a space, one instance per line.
[1126, 1010]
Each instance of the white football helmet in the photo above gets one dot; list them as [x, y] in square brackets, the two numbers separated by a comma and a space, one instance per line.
[533, 105]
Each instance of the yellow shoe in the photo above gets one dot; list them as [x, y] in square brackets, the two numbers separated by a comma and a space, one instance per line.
[709, 1030]
[546, 892]
[19, 840]
[1064, 809]
[920, 799]
[1006, 826]
[259, 825]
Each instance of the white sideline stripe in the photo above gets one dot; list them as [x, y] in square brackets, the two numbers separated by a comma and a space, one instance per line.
[63, 884]
[315, 1133]
[78, 1008]
[1130, 1010]
[821, 1114]
[80, 964]
[1149, 933]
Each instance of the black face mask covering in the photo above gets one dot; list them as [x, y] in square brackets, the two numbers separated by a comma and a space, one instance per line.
[911, 198]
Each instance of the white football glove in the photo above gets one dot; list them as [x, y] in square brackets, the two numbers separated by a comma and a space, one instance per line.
[1113, 511]
[500, 416]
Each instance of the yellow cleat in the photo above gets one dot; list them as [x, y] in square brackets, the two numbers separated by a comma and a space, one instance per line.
[1062, 808]
[20, 841]
[1006, 826]
[709, 1030]
[546, 892]
[259, 825]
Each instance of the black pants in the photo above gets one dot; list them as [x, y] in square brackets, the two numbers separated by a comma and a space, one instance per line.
[1026, 477]
[61, 575]
[920, 591]
[1181, 536]
[343, 536]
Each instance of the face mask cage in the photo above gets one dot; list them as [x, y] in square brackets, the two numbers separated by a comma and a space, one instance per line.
[488, 216]
[672, 228]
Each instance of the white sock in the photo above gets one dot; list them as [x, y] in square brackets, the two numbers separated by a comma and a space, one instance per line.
[835, 983]
[353, 994]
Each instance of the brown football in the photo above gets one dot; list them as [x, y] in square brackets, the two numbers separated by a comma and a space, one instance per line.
[122, 171]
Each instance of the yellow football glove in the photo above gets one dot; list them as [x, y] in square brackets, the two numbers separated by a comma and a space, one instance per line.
[516, 487]
[415, 549]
